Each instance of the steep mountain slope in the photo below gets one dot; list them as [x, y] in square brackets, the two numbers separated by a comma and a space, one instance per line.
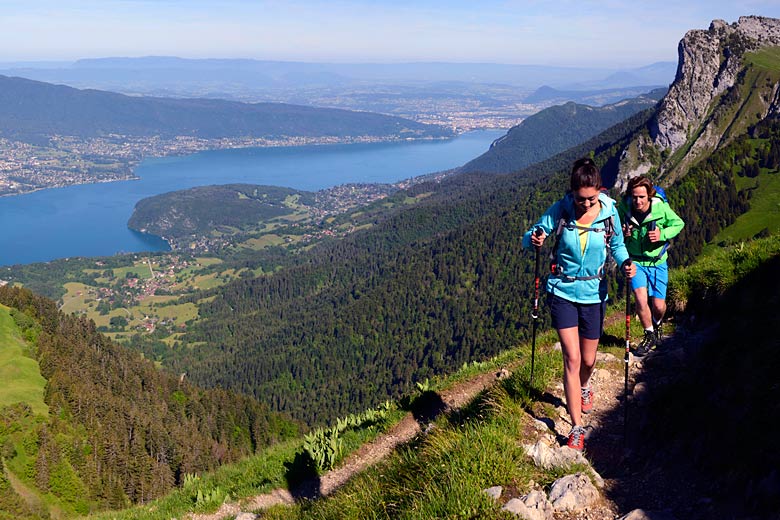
[554, 130]
[118, 430]
[31, 109]
[727, 81]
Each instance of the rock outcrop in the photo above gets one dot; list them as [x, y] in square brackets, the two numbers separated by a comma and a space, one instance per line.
[710, 62]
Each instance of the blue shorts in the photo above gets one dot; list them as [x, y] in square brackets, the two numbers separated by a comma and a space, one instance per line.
[654, 277]
[588, 317]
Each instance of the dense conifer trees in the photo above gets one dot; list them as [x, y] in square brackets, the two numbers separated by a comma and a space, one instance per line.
[120, 430]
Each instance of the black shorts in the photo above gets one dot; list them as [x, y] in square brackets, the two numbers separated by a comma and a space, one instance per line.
[588, 317]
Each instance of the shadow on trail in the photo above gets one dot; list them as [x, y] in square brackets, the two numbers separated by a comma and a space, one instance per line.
[702, 423]
[427, 407]
[677, 454]
[637, 476]
[302, 478]
[610, 340]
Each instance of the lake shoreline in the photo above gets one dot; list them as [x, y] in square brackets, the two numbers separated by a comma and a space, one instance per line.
[132, 164]
[90, 220]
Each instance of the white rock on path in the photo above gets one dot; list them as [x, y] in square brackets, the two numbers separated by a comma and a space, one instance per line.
[641, 514]
[494, 492]
[537, 503]
[605, 357]
[573, 493]
[548, 457]
[602, 374]
[540, 426]
[534, 506]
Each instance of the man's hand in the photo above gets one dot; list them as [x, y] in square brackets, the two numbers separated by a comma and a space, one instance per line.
[654, 235]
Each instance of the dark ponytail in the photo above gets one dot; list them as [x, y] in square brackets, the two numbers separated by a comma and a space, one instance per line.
[585, 174]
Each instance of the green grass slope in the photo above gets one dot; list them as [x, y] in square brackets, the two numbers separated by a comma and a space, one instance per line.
[764, 213]
[20, 374]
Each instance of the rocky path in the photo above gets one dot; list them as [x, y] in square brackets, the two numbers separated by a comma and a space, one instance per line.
[631, 482]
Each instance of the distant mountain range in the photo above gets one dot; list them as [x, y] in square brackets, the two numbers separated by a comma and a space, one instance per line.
[593, 97]
[172, 73]
[30, 109]
[554, 130]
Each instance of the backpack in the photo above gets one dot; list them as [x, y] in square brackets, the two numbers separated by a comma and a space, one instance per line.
[563, 223]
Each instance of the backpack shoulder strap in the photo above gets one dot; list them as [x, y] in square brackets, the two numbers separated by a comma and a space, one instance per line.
[562, 222]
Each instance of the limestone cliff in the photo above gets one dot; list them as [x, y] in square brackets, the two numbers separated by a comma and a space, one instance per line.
[706, 103]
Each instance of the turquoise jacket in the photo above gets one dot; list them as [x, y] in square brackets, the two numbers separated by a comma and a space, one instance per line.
[641, 250]
[588, 267]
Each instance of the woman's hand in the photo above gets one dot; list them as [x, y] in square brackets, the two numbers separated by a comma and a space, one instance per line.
[537, 237]
[629, 268]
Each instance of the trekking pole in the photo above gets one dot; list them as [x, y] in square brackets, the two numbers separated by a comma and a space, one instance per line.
[535, 312]
[625, 358]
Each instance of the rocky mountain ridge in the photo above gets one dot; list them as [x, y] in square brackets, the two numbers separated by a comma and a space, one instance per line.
[697, 115]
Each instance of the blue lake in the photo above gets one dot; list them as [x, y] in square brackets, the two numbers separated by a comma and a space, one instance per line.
[91, 219]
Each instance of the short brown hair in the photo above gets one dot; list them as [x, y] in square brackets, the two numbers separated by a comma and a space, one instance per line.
[585, 174]
[640, 181]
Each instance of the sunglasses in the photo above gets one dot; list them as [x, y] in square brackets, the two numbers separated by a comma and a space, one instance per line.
[580, 200]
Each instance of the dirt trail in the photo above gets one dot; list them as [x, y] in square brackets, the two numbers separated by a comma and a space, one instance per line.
[31, 498]
[366, 456]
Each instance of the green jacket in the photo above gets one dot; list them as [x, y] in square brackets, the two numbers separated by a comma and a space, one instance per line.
[640, 249]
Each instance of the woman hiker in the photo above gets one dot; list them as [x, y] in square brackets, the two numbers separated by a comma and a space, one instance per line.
[648, 225]
[587, 230]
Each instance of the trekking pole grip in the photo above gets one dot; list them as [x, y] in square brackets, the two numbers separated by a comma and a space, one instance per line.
[627, 263]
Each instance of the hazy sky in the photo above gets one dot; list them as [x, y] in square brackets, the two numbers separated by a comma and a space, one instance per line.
[566, 32]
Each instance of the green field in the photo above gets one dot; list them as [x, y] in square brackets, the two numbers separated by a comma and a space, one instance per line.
[264, 241]
[768, 58]
[76, 296]
[145, 311]
[764, 211]
[20, 375]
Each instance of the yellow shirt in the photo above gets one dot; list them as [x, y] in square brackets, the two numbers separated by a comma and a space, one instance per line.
[583, 238]
[585, 221]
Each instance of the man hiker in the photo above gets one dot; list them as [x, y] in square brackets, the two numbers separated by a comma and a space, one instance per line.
[648, 225]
